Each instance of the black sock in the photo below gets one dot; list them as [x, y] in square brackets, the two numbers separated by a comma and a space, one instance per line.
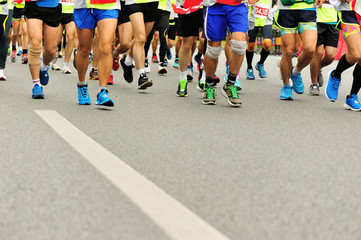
[356, 84]
[199, 55]
[249, 56]
[264, 55]
[25, 51]
[341, 66]
[176, 56]
[210, 81]
[231, 79]
[13, 48]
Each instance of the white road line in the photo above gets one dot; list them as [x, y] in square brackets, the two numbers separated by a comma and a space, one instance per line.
[176, 220]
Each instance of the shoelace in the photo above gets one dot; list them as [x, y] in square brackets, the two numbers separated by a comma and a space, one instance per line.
[84, 91]
[210, 92]
[233, 91]
[335, 85]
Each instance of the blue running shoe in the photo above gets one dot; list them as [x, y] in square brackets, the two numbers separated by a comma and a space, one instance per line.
[250, 75]
[169, 54]
[331, 89]
[352, 103]
[176, 63]
[44, 76]
[297, 83]
[286, 93]
[83, 95]
[261, 72]
[103, 98]
[37, 92]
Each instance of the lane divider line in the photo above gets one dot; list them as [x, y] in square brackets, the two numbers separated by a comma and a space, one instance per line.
[177, 221]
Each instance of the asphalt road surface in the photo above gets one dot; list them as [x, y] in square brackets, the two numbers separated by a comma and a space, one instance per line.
[157, 166]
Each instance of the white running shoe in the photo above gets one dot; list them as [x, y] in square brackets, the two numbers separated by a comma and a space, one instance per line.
[66, 69]
[55, 67]
[2, 75]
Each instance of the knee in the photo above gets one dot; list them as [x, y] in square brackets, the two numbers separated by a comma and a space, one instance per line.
[267, 44]
[140, 39]
[239, 47]
[250, 47]
[288, 52]
[105, 49]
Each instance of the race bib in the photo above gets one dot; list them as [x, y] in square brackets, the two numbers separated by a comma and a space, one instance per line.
[102, 1]
[262, 10]
[67, 2]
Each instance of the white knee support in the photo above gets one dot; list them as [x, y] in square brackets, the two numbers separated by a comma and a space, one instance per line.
[213, 52]
[239, 47]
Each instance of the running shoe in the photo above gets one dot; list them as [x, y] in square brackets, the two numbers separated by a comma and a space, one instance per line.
[161, 69]
[93, 75]
[297, 83]
[209, 96]
[216, 80]
[286, 93]
[332, 86]
[9, 50]
[320, 79]
[66, 69]
[24, 59]
[55, 67]
[200, 86]
[155, 59]
[90, 58]
[83, 95]
[2, 75]
[127, 71]
[111, 80]
[60, 54]
[176, 63]
[352, 103]
[237, 84]
[189, 74]
[116, 63]
[13, 56]
[182, 88]
[44, 76]
[19, 53]
[169, 54]
[250, 74]
[261, 72]
[144, 82]
[146, 66]
[231, 94]
[165, 62]
[314, 89]
[37, 92]
[103, 98]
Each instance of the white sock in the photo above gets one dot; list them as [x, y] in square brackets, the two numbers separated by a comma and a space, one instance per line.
[182, 75]
[66, 64]
[82, 83]
[36, 81]
[43, 67]
[140, 71]
[20, 48]
[203, 78]
[295, 71]
[128, 61]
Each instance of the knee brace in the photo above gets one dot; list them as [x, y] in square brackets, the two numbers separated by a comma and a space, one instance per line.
[34, 55]
[239, 47]
[213, 52]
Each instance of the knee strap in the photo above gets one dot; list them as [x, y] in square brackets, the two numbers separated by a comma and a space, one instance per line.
[34, 55]
[239, 47]
[213, 52]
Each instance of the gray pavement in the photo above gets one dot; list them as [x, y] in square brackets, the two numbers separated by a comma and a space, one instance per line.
[271, 169]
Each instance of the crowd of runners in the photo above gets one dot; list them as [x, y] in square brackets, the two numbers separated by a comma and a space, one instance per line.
[113, 34]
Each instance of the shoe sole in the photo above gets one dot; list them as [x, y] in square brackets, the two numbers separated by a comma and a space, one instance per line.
[208, 103]
[287, 99]
[229, 102]
[39, 96]
[250, 78]
[182, 95]
[106, 104]
[145, 85]
[351, 108]
[315, 94]
[85, 104]
[189, 78]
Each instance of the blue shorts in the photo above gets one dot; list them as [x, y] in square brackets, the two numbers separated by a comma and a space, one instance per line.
[88, 17]
[219, 16]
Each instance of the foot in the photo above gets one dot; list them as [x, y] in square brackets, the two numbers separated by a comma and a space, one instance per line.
[162, 69]
[261, 72]
[155, 59]
[250, 74]
[286, 93]
[93, 75]
[332, 86]
[352, 103]
[83, 95]
[110, 80]
[314, 89]
[189, 74]
[320, 79]
[144, 82]
[66, 69]
[209, 96]
[297, 83]
[231, 94]
[37, 92]
[103, 98]
[44, 76]
[182, 88]
[127, 71]
[176, 63]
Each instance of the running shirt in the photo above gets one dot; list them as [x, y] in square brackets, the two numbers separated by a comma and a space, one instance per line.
[209, 3]
[4, 8]
[326, 14]
[97, 4]
[296, 6]
[340, 6]
[165, 5]
[67, 6]
[262, 13]
[19, 4]
[129, 2]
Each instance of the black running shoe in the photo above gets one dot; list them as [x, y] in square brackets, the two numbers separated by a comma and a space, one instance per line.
[144, 81]
[127, 71]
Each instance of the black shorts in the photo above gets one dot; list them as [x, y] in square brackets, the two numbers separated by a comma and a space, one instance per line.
[172, 31]
[291, 18]
[3, 18]
[162, 20]
[327, 35]
[123, 16]
[18, 13]
[66, 18]
[190, 23]
[347, 17]
[148, 10]
[266, 33]
[50, 16]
